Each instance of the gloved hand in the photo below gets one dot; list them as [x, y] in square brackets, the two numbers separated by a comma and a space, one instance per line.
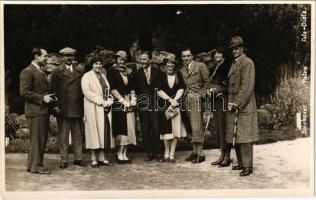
[126, 104]
[174, 103]
[133, 101]
[232, 106]
[108, 102]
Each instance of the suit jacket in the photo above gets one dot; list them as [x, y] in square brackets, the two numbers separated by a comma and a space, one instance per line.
[67, 87]
[196, 78]
[33, 87]
[140, 81]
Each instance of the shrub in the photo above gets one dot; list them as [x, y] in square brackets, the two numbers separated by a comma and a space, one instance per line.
[289, 98]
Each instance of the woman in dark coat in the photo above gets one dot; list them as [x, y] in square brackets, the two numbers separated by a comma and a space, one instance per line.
[171, 91]
[123, 116]
[218, 97]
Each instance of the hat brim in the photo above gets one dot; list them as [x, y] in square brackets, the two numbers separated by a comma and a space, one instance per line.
[116, 56]
[235, 45]
[166, 59]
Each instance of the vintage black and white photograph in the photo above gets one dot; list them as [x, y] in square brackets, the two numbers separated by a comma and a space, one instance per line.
[155, 99]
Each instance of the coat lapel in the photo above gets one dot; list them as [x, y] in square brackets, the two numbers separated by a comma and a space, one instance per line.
[192, 68]
[40, 74]
[152, 75]
[236, 65]
[75, 74]
[96, 81]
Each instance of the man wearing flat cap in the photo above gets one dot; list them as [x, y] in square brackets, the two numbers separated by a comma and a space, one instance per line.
[241, 82]
[66, 84]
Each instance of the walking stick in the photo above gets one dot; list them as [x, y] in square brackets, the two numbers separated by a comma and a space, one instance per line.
[235, 134]
[205, 130]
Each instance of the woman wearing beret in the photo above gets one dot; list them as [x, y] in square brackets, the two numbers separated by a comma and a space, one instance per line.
[123, 108]
[171, 90]
[97, 101]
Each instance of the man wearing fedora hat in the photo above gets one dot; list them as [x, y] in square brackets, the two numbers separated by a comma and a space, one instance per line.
[66, 84]
[241, 81]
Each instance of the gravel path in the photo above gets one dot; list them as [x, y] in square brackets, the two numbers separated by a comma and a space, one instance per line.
[279, 165]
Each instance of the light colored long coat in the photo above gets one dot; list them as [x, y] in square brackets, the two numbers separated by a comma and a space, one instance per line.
[241, 82]
[94, 111]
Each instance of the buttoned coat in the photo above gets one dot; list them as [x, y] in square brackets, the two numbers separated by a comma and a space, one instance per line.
[196, 80]
[33, 87]
[241, 82]
[94, 111]
[67, 87]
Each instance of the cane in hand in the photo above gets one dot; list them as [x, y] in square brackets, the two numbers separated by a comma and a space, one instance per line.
[205, 130]
[235, 133]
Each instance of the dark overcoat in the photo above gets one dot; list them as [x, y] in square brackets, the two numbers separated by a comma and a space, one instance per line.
[241, 82]
[67, 87]
[119, 118]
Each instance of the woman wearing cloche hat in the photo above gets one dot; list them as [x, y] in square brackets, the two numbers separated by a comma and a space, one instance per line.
[123, 115]
[172, 114]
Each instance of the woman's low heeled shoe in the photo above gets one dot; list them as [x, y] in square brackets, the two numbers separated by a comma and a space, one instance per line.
[105, 163]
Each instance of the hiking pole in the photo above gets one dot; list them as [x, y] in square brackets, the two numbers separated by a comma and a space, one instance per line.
[235, 135]
[205, 130]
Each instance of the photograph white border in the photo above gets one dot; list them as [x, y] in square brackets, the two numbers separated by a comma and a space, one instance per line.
[157, 193]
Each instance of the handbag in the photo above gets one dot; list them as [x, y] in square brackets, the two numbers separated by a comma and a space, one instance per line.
[171, 112]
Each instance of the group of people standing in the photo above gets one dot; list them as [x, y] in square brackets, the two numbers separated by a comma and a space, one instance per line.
[168, 100]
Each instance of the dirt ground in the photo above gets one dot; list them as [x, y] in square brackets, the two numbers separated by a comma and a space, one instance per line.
[279, 165]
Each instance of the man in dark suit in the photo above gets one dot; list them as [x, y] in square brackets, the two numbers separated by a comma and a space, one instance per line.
[196, 78]
[66, 84]
[147, 80]
[34, 88]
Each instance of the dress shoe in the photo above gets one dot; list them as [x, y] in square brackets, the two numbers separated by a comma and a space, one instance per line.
[94, 164]
[165, 159]
[220, 159]
[217, 162]
[80, 163]
[237, 167]
[105, 163]
[63, 165]
[42, 171]
[224, 163]
[119, 161]
[172, 160]
[160, 159]
[198, 159]
[246, 171]
[190, 157]
[149, 158]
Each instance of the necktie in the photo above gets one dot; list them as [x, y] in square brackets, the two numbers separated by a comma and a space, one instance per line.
[147, 75]
[69, 68]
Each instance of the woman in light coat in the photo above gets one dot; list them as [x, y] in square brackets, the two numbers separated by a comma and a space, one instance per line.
[97, 101]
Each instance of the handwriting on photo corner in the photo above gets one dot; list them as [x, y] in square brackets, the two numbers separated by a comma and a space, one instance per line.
[146, 102]
[304, 26]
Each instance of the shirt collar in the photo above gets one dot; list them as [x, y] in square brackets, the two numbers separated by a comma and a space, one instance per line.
[37, 66]
[242, 56]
